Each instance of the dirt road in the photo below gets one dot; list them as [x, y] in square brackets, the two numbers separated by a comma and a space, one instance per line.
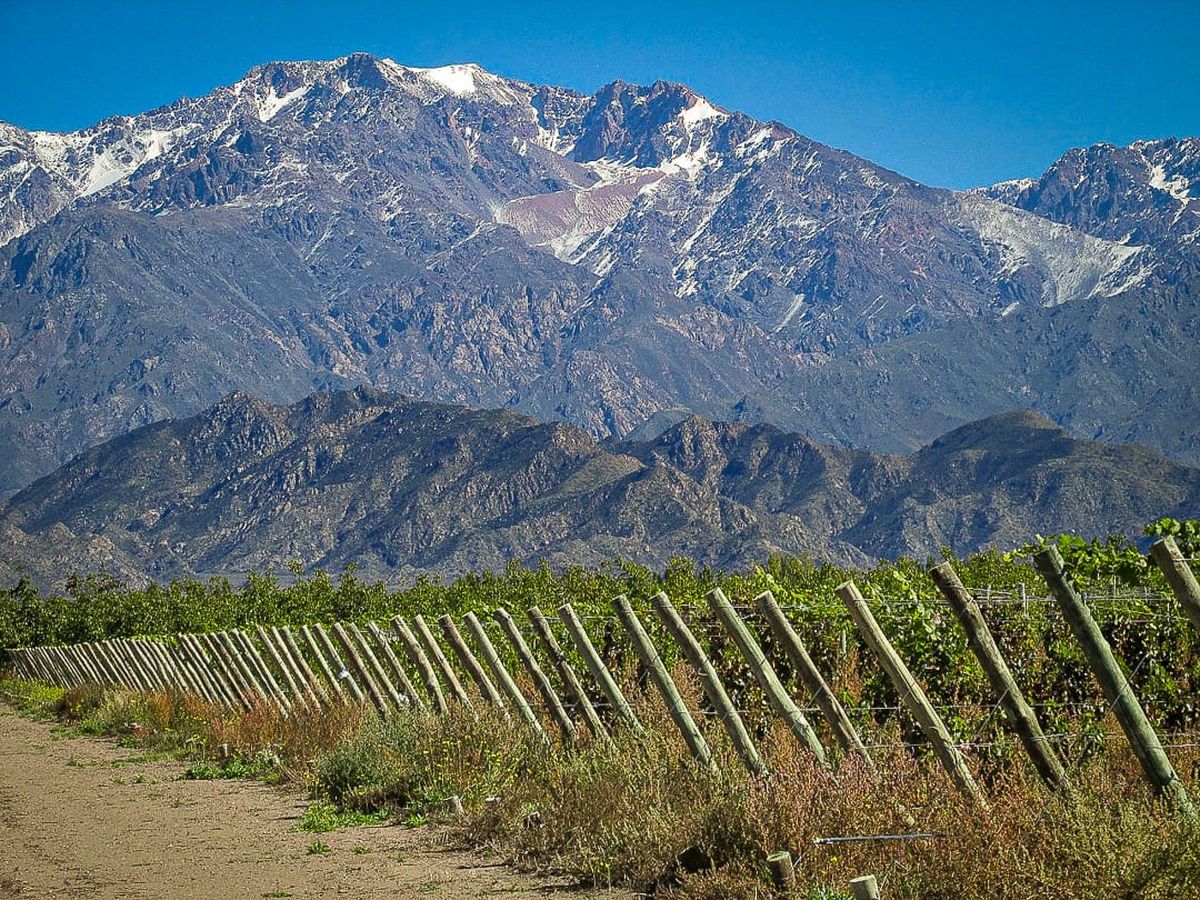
[81, 817]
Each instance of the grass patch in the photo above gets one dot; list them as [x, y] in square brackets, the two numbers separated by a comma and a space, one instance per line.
[322, 817]
[318, 847]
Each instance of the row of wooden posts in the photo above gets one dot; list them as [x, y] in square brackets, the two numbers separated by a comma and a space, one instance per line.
[311, 667]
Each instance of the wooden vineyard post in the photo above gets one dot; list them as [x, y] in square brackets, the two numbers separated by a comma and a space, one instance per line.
[648, 654]
[783, 871]
[116, 656]
[764, 674]
[983, 645]
[470, 663]
[569, 679]
[501, 674]
[237, 684]
[1179, 575]
[408, 694]
[814, 682]
[268, 641]
[293, 673]
[316, 693]
[911, 693]
[332, 685]
[434, 652]
[252, 690]
[1117, 690]
[256, 662]
[711, 682]
[540, 681]
[390, 691]
[360, 668]
[597, 668]
[343, 675]
[865, 887]
[421, 663]
[209, 670]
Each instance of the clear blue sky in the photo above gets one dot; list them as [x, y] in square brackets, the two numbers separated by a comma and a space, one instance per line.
[953, 94]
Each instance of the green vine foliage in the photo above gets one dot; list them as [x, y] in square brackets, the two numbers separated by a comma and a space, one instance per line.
[1129, 597]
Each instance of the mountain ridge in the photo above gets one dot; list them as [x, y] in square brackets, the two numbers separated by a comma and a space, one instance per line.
[616, 260]
[402, 487]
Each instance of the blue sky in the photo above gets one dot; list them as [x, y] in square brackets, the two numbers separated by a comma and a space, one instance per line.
[953, 94]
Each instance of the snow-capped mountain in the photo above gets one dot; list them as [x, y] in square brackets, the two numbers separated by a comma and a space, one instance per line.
[615, 260]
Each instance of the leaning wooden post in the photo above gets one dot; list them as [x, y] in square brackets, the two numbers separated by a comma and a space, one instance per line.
[229, 672]
[375, 669]
[1117, 690]
[781, 702]
[469, 662]
[231, 650]
[210, 670]
[101, 661]
[983, 645]
[597, 668]
[360, 668]
[540, 681]
[150, 675]
[420, 661]
[648, 654]
[314, 688]
[814, 682]
[565, 671]
[501, 674]
[711, 682]
[300, 687]
[254, 658]
[1179, 575]
[333, 681]
[439, 658]
[407, 692]
[295, 693]
[911, 693]
[344, 675]
[116, 655]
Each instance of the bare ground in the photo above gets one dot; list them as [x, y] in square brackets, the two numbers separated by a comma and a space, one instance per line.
[83, 817]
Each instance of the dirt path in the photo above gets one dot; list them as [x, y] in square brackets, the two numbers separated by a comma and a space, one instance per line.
[81, 817]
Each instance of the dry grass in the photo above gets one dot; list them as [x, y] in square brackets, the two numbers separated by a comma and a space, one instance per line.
[637, 811]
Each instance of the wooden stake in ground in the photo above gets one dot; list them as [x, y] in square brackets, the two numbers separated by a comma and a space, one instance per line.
[814, 682]
[501, 674]
[1179, 575]
[1117, 690]
[420, 662]
[865, 887]
[254, 658]
[540, 681]
[275, 653]
[316, 694]
[779, 699]
[711, 682]
[332, 686]
[434, 650]
[360, 668]
[409, 692]
[983, 645]
[657, 670]
[342, 673]
[470, 663]
[570, 680]
[597, 668]
[911, 693]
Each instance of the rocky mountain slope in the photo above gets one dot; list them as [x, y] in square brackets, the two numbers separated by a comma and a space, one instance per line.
[399, 486]
[617, 261]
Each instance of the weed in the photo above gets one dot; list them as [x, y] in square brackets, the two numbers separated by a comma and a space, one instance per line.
[318, 846]
[322, 817]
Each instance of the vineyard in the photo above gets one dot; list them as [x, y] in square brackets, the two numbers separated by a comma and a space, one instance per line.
[1019, 724]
